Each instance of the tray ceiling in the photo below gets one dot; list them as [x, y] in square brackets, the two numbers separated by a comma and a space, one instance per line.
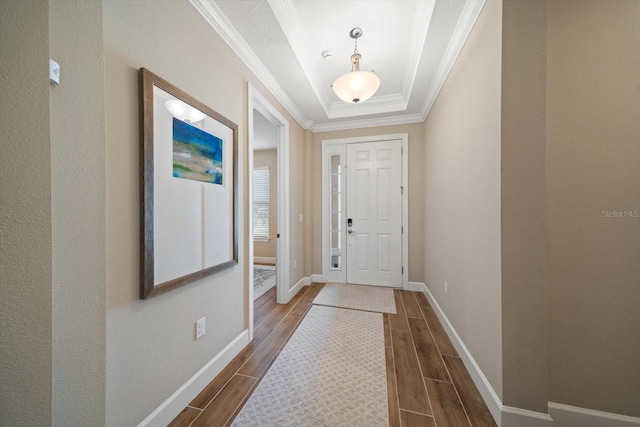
[410, 44]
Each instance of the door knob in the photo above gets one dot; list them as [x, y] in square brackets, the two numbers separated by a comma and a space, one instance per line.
[349, 231]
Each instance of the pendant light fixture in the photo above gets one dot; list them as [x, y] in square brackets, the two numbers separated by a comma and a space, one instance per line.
[356, 86]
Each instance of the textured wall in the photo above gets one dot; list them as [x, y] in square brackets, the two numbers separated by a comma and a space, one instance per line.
[78, 214]
[593, 162]
[308, 211]
[524, 247]
[416, 185]
[150, 347]
[462, 195]
[269, 158]
[299, 247]
[25, 215]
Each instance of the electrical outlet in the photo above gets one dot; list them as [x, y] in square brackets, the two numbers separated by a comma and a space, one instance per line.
[201, 327]
[446, 289]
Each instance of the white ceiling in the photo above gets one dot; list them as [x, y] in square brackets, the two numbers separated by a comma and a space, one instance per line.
[410, 44]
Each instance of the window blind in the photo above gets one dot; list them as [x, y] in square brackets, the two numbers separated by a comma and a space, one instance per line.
[261, 203]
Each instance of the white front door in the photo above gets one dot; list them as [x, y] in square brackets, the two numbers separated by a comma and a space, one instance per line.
[374, 213]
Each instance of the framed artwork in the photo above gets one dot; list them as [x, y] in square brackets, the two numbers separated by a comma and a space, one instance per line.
[189, 188]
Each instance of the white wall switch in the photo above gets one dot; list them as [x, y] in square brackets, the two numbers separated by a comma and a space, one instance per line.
[446, 289]
[295, 264]
[300, 218]
[201, 327]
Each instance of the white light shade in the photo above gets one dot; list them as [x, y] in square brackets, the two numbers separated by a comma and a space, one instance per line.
[356, 86]
[183, 111]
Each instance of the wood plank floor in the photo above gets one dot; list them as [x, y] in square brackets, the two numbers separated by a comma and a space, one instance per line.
[427, 383]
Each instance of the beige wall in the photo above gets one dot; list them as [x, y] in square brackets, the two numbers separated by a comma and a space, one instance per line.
[147, 338]
[593, 162]
[307, 184]
[524, 255]
[25, 216]
[461, 176]
[269, 158]
[78, 214]
[299, 247]
[415, 193]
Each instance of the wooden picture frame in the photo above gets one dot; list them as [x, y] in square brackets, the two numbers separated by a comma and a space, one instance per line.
[189, 188]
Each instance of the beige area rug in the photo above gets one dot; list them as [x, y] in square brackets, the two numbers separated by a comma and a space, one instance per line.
[358, 297]
[331, 373]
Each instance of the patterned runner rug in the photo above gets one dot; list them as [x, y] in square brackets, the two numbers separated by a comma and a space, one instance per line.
[358, 297]
[331, 373]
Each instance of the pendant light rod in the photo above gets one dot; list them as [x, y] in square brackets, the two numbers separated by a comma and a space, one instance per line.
[356, 57]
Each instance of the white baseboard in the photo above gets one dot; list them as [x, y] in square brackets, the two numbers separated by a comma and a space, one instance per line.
[307, 281]
[505, 416]
[295, 289]
[170, 408]
[482, 383]
[571, 416]
[264, 260]
[318, 278]
[416, 287]
[517, 417]
[560, 415]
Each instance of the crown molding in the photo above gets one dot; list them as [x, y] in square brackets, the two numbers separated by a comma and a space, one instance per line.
[219, 22]
[467, 20]
[375, 105]
[422, 22]
[368, 123]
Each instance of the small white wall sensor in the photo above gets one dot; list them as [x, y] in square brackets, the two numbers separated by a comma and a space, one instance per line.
[54, 72]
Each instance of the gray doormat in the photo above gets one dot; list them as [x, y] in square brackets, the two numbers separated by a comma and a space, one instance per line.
[358, 297]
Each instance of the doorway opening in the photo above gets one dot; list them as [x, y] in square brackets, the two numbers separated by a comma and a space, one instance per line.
[265, 120]
[265, 208]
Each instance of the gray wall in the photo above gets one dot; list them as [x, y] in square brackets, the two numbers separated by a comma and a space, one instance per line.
[78, 214]
[25, 215]
[593, 161]
[523, 225]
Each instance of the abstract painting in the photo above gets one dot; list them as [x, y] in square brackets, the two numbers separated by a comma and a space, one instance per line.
[197, 155]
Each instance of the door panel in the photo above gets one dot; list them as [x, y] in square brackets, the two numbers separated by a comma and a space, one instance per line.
[362, 250]
[362, 197]
[384, 184]
[384, 252]
[374, 203]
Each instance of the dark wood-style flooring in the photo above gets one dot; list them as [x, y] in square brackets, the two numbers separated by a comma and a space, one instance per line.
[427, 383]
